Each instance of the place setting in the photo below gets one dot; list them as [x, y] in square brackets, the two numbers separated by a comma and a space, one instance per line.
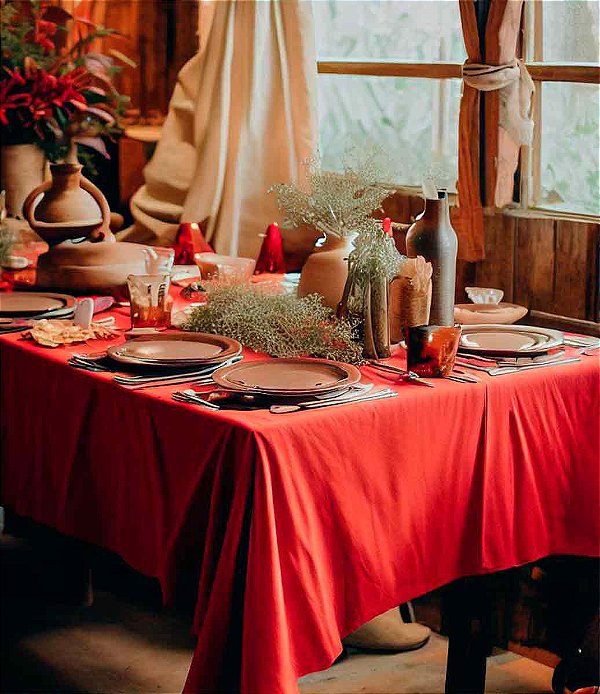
[507, 349]
[284, 386]
[164, 359]
[19, 310]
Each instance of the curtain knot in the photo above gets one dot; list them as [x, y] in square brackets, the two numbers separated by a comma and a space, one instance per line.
[515, 88]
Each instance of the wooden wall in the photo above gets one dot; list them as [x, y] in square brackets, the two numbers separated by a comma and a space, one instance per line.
[160, 36]
[548, 265]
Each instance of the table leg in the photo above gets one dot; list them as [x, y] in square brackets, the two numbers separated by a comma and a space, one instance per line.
[467, 621]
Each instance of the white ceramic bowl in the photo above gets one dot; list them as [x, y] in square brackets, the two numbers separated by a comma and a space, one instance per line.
[484, 295]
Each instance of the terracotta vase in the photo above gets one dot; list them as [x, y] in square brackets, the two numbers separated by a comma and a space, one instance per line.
[326, 270]
[433, 237]
[71, 207]
[23, 169]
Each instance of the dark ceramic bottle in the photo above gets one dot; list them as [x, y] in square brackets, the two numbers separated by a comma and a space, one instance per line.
[433, 237]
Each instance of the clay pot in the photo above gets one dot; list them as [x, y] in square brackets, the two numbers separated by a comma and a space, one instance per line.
[326, 270]
[97, 268]
[433, 237]
[23, 168]
[71, 207]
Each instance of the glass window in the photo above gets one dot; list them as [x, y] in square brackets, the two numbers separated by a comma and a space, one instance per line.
[400, 30]
[414, 120]
[570, 144]
[570, 31]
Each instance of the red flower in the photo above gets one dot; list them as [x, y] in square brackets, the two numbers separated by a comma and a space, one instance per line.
[43, 30]
[34, 96]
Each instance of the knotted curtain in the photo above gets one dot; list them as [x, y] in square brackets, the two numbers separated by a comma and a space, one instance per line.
[507, 117]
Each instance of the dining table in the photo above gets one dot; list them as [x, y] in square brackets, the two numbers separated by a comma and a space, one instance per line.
[302, 526]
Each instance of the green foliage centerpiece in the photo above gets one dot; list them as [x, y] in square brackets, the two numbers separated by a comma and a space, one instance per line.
[373, 264]
[336, 204]
[282, 325]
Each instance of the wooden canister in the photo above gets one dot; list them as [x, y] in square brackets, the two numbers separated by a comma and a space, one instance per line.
[407, 308]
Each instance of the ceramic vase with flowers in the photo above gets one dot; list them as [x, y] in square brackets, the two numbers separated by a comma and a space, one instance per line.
[337, 204]
[55, 93]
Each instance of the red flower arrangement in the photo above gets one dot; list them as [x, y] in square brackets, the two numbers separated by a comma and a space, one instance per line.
[51, 96]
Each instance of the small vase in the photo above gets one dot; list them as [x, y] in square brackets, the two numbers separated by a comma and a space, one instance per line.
[326, 270]
[23, 169]
[71, 207]
[433, 237]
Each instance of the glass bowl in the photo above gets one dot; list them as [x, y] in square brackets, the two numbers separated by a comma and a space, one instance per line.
[484, 295]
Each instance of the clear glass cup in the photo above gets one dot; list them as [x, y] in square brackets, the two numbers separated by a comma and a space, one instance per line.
[149, 301]
[159, 261]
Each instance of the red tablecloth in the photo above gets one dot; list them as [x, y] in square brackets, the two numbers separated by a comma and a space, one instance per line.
[305, 525]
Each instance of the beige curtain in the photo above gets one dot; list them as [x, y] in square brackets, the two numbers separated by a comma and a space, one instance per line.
[242, 117]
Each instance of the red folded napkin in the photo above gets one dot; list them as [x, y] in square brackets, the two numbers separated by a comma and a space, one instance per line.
[189, 241]
[271, 258]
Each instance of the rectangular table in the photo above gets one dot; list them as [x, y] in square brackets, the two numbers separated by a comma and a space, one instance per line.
[306, 525]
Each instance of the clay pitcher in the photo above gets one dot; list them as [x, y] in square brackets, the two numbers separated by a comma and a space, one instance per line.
[433, 237]
[71, 207]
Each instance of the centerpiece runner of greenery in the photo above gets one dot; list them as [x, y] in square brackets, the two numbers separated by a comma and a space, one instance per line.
[281, 325]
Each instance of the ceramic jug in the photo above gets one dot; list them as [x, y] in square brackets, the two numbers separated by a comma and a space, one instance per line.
[71, 207]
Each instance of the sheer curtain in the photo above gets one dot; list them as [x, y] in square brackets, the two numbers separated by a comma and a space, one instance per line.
[242, 117]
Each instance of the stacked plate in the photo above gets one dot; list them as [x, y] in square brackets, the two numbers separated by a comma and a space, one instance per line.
[508, 340]
[287, 378]
[175, 350]
[34, 305]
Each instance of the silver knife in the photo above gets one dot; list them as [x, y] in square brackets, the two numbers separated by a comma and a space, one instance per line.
[502, 370]
[316, 404]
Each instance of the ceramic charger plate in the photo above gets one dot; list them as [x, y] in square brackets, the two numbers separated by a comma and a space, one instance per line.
[27, 304]
[288, 377]
[508, 340]
[175, 349]
[495, 314]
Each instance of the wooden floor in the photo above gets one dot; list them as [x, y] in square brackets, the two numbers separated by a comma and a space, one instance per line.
[120, 646]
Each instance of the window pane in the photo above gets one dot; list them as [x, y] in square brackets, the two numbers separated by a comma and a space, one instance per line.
[570, 31]
[414, 120]
[570, 143]
[404, 30]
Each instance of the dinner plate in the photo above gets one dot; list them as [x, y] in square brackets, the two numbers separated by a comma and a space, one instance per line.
[23, 304]
[175, 349]
[508, 340]
[291, 377]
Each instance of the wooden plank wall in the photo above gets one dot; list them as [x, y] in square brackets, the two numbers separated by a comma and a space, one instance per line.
[548, 265]
[160, 36]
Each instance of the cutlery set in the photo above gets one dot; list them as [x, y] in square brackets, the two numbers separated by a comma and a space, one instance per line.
[409, 376]
[98, 363]
[361, 392]
[504, 366]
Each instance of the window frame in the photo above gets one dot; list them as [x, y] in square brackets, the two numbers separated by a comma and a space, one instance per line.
[530, 163]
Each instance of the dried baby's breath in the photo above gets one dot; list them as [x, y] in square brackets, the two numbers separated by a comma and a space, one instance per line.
[335, 203]
[281, 325]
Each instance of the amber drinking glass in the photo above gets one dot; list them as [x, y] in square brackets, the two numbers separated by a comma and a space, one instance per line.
[150, 301]
[431, 349]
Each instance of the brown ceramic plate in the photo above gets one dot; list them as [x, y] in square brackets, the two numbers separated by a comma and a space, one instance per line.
[497, 314]
[23, 304]
[287, 376]
[175, 348]
[508, 340]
